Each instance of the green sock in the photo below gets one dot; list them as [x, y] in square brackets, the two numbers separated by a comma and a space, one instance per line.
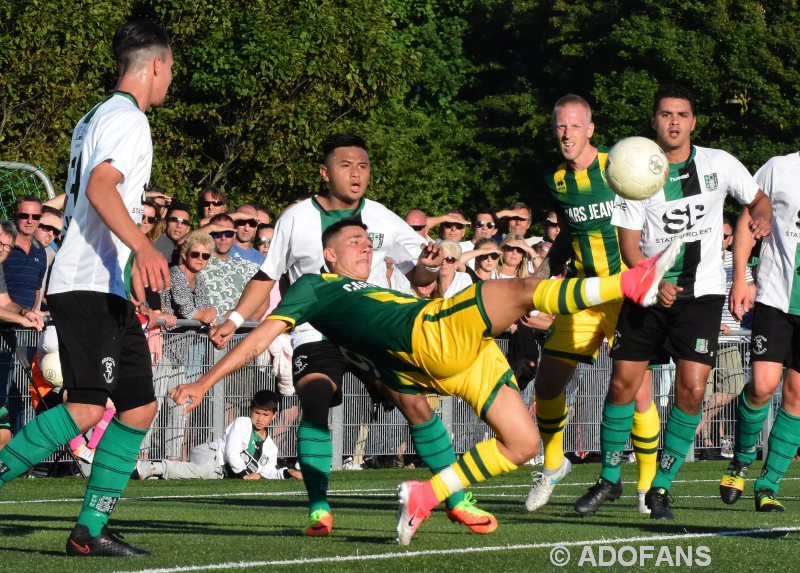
[614, 431]
[784, 439]
[749, 421]
[678, 438]
[315, 452]
[435, 449]
[38, 439]
[113, 463]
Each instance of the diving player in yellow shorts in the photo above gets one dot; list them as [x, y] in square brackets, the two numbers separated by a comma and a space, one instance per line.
[418, 345]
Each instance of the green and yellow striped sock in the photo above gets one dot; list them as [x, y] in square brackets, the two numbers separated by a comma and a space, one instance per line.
[483, 461]
[551, 418]
[568, 296]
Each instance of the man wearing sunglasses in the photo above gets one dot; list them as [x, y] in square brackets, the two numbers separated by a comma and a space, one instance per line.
[418, 221]
[26, 265]
[48, 233]
[212, 201]
[226, 276]
[178, 224]
[245, 220]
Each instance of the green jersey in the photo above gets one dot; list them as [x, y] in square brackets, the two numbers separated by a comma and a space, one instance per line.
[375, 322]
[588, 202]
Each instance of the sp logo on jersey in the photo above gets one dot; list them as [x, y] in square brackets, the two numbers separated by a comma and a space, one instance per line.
[683, 219]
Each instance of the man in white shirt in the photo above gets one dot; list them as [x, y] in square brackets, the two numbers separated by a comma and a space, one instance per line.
[97, 327]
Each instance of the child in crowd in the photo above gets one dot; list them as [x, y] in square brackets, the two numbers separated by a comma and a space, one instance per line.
[246, 451]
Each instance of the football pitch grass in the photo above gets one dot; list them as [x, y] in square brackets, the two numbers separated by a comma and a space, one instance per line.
[235, 525]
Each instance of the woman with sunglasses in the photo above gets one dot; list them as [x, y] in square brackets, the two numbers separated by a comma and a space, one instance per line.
[188, 295]
[449, 281]
[152, 225]
[516, 259]
[487, 257]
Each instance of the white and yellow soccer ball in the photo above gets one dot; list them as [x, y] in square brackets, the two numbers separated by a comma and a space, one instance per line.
[636, 168]
[51, 369]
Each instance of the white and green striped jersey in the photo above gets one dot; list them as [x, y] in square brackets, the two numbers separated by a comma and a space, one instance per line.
[689, 208]
[778, 277]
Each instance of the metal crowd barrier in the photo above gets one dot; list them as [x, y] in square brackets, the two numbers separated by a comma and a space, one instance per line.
[185, 356]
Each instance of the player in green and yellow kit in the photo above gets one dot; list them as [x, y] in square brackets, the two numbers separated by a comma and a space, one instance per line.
[585, 203]
[444, 345]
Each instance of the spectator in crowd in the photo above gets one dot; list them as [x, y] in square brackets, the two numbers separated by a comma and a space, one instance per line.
[10, 311]
[519, 221]
[152, 224]
[450, 281]
[225, 276]
[485, 258]
[551, 226]
[189, 297]
[516, 259]
[26, 265]
[541, 250]
[160, 199]
[246, 451]
[178, 226]
[48, 233]
[246, 222]
[418, 221]
[484, 226]
[212, 202]
[453, 226]
[264, 235]
[263, 215]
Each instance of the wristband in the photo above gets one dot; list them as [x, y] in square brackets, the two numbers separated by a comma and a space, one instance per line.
[432, 269]
[236, 318]
[286, 474]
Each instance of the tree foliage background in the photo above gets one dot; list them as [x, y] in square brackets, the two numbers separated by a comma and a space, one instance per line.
[453, 96]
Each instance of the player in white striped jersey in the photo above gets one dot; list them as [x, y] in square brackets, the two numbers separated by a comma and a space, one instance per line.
[686, 324]
[775, 339]
[319, 365]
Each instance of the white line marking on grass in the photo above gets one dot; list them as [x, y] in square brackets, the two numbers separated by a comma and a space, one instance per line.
[461, 550]
[487, 489]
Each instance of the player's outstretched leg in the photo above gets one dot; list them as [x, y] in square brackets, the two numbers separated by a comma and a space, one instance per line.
[517, 441]
[645, 436]
[505, 301]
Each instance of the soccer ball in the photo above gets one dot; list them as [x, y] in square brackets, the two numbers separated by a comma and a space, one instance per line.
[51, 369]
[636, 168]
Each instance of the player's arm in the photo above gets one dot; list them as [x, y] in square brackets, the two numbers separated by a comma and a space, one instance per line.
[739, 299]
[430, 258]
[760, 211]
[254, 297]
[102, 193]
[249, 348]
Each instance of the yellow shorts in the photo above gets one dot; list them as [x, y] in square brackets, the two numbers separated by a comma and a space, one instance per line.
[454, 353]
[577, 337]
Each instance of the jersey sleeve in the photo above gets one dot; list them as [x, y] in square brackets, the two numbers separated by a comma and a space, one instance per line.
[741, 185]
[764, 176]
[299, 304]
[275, 263]
[122, 139]
[628, 214]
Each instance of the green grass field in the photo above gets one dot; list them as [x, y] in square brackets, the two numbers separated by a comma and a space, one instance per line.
[257, 526]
